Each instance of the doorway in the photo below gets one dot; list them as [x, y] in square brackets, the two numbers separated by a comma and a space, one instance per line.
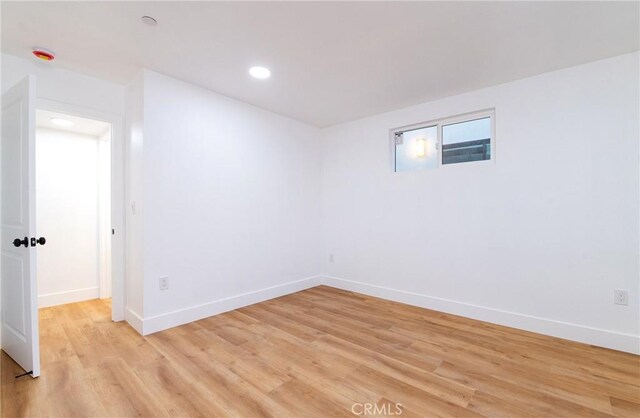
[21, 239]
[73, 208]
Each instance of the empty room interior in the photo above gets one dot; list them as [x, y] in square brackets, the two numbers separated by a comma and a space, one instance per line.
[320, 209]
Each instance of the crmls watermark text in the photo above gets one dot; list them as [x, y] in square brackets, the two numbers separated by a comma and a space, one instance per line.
[368, 408]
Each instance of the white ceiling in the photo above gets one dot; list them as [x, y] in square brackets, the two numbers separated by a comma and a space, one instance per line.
[331, 62]
[80, 125]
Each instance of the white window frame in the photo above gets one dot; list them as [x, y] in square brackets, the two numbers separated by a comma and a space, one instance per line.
[440, 123]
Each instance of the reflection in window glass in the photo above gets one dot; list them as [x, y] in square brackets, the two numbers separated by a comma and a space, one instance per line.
[466, 141]
[416, 149]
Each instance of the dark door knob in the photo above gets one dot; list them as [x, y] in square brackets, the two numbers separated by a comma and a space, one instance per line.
[42, 241]
[18, 242]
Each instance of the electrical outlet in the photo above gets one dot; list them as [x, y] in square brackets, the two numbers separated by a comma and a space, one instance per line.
[621, 297]
[164, 283]
[331, 258]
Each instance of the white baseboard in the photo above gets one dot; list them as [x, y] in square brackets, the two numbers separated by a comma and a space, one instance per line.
[133, 319]
[70, 296]
[609, 339]
[604, 338]
[183, 316]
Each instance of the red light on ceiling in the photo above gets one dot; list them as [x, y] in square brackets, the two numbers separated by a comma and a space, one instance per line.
[43, 54]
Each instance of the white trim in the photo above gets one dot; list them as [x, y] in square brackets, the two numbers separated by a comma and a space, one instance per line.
[183, 316]
[604, 338]
[104, 214]
[600, 337]
[68, 296]
[133, 319]
[117, 193]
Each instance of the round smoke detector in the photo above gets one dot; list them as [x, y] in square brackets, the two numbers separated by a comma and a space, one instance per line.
[43, 54]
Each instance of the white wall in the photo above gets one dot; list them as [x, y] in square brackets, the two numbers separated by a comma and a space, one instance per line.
[538, 240]
[231, 201]
[67, 216]
[65, 86]
[133, 199]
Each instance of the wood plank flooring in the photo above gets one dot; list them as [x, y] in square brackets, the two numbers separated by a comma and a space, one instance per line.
[315, 353]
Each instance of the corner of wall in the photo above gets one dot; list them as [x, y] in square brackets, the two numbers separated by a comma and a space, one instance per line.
[150, 325]
[133, 205]
[600, 337]
[135, 320]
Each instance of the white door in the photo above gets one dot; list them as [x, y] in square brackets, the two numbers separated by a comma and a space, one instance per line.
[19, 294]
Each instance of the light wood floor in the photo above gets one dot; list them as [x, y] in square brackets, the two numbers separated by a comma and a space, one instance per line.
[315, 353]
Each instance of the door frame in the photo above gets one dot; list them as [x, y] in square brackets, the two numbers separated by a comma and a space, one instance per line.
[117, 193]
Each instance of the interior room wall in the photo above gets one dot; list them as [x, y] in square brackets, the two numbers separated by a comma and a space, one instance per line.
[67, 179]
[55, 83]
[133, 202]
[538, 239]
[231, 200]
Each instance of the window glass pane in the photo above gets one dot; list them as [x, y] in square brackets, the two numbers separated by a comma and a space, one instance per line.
[416, 149]
[466, 141]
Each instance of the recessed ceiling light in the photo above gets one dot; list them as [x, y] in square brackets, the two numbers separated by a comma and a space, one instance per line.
[149, 20]
[61, 122]
[260, 72]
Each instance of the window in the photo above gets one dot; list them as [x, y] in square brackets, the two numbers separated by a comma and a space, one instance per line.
[416, 149]
[459, 139]
[466, 141]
